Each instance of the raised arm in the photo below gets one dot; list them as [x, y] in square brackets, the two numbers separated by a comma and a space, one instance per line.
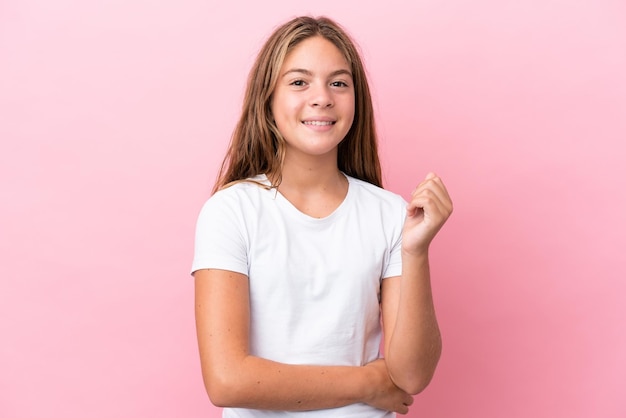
[234, 378]
[412, 337]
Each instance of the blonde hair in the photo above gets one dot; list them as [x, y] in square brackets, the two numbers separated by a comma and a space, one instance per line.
[257, 147]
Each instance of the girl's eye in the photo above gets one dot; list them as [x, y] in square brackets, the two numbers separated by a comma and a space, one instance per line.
[297, 83]
[338, 84]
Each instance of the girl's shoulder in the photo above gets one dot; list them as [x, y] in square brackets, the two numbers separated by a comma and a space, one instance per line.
[251, 185]
[260, 180]
[370, 191]
[246, 193]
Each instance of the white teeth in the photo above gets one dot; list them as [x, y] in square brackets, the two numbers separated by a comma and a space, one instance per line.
[317, 122]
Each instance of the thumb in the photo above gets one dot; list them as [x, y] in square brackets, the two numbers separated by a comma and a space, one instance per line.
[413, 210]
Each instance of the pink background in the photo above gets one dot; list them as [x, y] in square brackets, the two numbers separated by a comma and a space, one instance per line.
[114, 115]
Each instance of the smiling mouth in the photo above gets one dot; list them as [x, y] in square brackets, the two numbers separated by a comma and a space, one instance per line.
[318, 122]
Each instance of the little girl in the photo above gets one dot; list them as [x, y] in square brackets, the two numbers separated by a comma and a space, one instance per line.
[301, 256]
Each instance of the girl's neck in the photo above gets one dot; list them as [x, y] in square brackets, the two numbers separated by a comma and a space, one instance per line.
[316, 190]
[307, 176]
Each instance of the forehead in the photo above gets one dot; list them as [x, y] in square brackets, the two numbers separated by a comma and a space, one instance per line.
[315, 53]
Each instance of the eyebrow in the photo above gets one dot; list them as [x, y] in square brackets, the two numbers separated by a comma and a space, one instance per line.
[309, 73]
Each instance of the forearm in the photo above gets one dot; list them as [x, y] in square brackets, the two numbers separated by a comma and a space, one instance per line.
[414, 347]
[253, 382]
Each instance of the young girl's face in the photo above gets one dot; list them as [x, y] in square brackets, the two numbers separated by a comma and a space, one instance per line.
[313, 102]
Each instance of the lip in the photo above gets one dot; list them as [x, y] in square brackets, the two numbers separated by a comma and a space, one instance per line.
[319, 119]
[321, 124]
[318, 124]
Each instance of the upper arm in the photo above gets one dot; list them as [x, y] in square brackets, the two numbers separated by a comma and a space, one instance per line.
[222, 311]
[389, 301]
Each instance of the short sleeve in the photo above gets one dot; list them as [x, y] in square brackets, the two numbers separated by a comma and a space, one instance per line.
[220, 240]
[393, 267]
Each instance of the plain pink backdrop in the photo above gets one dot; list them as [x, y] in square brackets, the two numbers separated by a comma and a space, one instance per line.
[115, 114]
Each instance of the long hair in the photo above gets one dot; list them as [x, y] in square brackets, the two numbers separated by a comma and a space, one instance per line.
[257, 147]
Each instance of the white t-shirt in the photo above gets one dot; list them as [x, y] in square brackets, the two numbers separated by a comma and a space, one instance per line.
[314, 283]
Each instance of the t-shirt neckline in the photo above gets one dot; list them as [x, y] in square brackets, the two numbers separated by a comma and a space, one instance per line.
[296, 213]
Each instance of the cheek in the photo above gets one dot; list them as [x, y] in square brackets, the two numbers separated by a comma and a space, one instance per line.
[280, 114]
[350, 110]
[283, 108]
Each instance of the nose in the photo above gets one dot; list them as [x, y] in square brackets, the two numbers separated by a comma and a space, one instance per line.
[321, 96]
